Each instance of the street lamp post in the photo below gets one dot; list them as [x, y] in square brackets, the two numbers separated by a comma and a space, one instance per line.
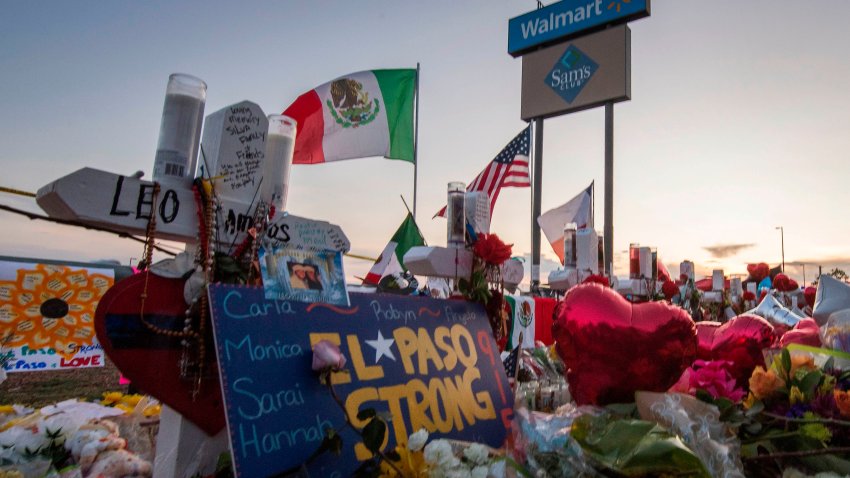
[782, 235]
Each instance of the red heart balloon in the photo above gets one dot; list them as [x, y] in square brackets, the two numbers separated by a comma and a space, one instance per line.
[806, 332]
[758, 271]
[810, 293]
[739, 341]
[781, 283]
[150, 360]
[613, 348]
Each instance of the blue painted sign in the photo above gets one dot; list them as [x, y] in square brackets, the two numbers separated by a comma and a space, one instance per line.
[422, 362]
[568, 19]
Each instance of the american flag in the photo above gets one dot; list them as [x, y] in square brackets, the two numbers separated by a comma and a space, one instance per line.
[508, 169]
[511, 362]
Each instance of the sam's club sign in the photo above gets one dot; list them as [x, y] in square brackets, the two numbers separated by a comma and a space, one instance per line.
[569, 18]
[569, 75]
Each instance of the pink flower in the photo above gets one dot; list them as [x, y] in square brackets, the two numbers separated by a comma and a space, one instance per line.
[327, 356]
[709, 376]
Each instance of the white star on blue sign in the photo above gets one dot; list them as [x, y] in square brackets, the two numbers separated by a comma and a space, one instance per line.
[382, 347]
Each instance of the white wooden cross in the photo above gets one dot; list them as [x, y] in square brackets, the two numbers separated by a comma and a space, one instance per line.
[234, 150]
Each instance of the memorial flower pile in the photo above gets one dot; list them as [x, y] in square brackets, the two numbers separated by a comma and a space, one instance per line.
[800, 414]
[441, 458]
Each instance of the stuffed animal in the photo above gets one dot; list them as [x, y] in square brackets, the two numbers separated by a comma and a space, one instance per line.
[101, 453]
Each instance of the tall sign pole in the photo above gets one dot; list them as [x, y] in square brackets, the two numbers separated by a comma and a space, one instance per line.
[416, 142]
[535, 203]
[575, 56]
[609, 189]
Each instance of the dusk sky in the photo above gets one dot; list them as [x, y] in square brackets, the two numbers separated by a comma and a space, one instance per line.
[738, 121]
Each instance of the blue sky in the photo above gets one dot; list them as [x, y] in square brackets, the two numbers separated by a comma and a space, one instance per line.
[737, 124]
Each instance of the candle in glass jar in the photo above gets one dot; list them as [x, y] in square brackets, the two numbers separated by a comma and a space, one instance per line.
[456, 215]
[180, 129]
[634, 260]
[570, 256]
[280, 145]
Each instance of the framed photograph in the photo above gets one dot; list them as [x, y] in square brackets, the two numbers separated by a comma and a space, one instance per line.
[303, 275]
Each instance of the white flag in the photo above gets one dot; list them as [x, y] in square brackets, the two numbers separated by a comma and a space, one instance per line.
[577, 210]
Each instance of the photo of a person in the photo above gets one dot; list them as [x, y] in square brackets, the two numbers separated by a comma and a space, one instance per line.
[297, 275]
[313, 280]
[304, 276]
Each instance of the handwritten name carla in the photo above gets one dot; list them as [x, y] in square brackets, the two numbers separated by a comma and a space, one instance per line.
[235, 309]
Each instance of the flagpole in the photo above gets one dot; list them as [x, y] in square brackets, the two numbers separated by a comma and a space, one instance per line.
[416, 140]
[609, 189]
[593, 204]
[537, 169]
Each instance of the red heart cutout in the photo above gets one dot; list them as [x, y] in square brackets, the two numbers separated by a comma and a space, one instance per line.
[613, 348]
[739, 341]
[150, 360]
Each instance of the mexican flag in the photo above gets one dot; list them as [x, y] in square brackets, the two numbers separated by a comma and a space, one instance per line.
[522, 321]
[391, 259]
[363, 114]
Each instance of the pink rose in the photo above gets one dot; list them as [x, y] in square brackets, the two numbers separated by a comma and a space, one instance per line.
[709, 376]
[327, 356]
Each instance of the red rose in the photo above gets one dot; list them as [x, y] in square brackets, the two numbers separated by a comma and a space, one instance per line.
[670, 289]
[491, 249]
[748, 295]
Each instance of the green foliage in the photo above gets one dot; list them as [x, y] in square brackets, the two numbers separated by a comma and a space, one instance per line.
[228, 270]
[476, 288]
[366, 413]
[629, 447]
[54, 450]
[373, 434]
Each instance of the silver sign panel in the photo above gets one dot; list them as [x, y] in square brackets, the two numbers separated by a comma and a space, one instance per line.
[576, 75]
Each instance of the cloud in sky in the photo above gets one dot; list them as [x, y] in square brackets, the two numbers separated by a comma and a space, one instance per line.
[721, 251]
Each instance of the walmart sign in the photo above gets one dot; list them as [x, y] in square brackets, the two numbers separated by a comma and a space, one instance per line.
[569, 18]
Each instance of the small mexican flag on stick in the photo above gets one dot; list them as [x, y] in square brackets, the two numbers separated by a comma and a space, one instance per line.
[392, 259]
[363, 114]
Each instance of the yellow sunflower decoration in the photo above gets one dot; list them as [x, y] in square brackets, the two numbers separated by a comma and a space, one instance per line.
[51, 306]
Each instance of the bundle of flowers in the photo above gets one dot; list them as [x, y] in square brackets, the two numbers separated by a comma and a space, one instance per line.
[798, 414]
[130, 403]
[441, 458]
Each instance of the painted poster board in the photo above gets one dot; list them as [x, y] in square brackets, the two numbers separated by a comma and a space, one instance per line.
[47, 314]
[234, 145]
[576, 75]
[424, 362]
